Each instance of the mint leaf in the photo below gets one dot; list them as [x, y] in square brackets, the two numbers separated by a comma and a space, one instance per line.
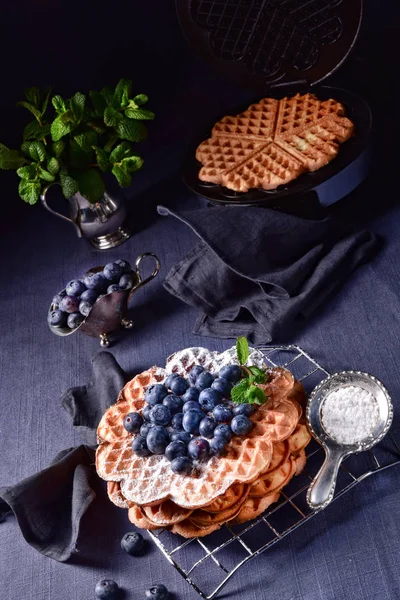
[27, 172]
[112, 138]
[132, 163]
[58, 148]
[133, 131]
[102, 158]
[79, 158]
[140, 99]
[238, 392]
[29, 191]
[35, 111]
[11, 159]
[259, 375]
[99, 103]
[97, 126]
[139, 114]
[53, 166]
[242, 350]
[46, 101]
[35, 150]
[78, 106]
[45, 175]
[91, 185]
[60, 127]
[33, 96]
[59, 104]
[112, 117]
[35, 131]
[122, 93]
[121, 151]
[68, 184]
[122, 176]
[86, 140]
[255, 395]
[107, 93]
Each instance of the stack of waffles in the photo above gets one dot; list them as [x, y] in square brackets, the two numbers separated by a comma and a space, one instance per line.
[273, 142]
[235, 487]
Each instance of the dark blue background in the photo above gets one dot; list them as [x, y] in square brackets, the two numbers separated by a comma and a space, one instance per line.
[351, 550]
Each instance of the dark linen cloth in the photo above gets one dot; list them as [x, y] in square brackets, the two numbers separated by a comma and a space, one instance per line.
[49, 505]
[257, 271]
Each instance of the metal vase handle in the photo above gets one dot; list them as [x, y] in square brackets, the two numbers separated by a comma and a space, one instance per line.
[43, 200]
[141, 281]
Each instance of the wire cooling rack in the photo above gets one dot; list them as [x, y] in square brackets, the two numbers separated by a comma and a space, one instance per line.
[208, 563]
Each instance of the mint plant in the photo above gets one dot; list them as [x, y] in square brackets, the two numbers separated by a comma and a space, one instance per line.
[247, 391]
[72, 141]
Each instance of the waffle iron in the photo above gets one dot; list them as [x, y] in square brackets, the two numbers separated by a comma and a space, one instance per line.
[279, 48]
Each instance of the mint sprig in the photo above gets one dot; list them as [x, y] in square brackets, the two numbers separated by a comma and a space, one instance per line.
[246, 391]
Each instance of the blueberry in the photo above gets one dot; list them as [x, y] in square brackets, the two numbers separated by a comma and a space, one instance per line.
[146, 412]
[85, 307]
[133, 422]
[191, 393]
[157, 592]
[222, 413]
[244, 409]
[191, 421]
[209, 398]
[74, 320]
[176, 421]
[89, 296]
[223, 430]
[223, 386]
[132, 543]
[57, 318]
[139, 446]
[198, 448]
[145, 428]
[204, 380]
[231, 372]
[175, 449]
[112, 272]
[192, 405]
[126, 282]
[125, 266]
[241, 425]
[174, 403]
[57, 299]
[207, 426]
[182, 436]
[155, 394]
[160, 415]
[157, 439]
[75, 287]
[106, 589]
[69, 304]
[169, 379]
[178, 385]
[217, 445]
[113, 288]
[194, 373]
[181, 465]
[95, 281]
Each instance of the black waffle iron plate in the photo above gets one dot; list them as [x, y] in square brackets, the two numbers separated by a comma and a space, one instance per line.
[279, 48]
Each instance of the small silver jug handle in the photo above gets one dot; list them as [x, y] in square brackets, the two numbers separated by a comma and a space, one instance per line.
[141, 281]
[321, 490]
[55, 212]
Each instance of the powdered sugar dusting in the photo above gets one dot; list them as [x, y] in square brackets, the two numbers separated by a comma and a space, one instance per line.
[349, 414]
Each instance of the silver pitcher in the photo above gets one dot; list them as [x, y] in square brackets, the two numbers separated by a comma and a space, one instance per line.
[102, 223]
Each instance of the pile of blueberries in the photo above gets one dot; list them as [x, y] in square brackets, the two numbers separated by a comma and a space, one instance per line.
[73, 305]
[189, 420]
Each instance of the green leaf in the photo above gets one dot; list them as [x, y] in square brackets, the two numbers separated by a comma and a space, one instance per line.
[86, 140]
[140, 114]
[140, 99]
[27, 172]
[11, 159]
[68, 184]
[242, 350]
[259, 375]
[91, 185]
[35, 111]
[97, 126]
[35, 131]
[80, 158]
[107, 93]
[133, 131]
[33, 96]
[59, 104]
[99, 103]
[112, 117]
[46, 175]
[102, 158]
[132, 163]
[29, 191]
[78, 106]
[35, 150]
[121, 151]
[122, 176]
[61, 126]
[46, 101]
[112, 138]
[122, 93]
[53, 165]
[238, 392]
[255, 395]
[58, 148]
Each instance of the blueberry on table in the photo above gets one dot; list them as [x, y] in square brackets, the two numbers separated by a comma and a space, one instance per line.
[85, 307]
[157, 592]
[95, 281]
[139, 446]
[176, 421]
[160, 415]
[231, 372]
[57, 318]
[133, 422]
[207, 426]
[244, 409]
[241, 425]
[194, 373]
[69, 304]
[126, 282]
[169, 379]
[179, 385]
[198, 448]
[223, 386]
[155, 394]
[112, 272]
[175, 449]
[222, 413]
[89, 296]
[74, 320]
[125, 266]
[209, 398]
[182, 436]
[217, 445]
[181, 465]
[192, 393]
[132, 543]
[223, 430]
[191, 421]
[106, 589]
[174, 403]
[146, 412]
[75, 287]
[145, 428]
[157, 439]
[113, 288]
[204, 380]
[57, 299]
[192, 405]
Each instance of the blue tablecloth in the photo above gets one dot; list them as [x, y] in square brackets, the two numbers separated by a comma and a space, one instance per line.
[349, 551]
